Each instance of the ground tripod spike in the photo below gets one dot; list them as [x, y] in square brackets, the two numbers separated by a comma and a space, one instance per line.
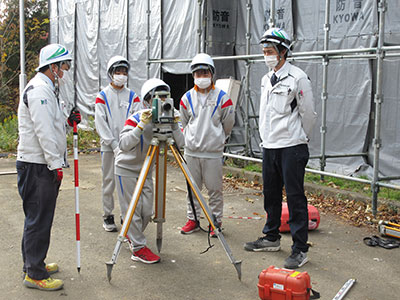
[196, 191]
[159, 237]
[110, 266]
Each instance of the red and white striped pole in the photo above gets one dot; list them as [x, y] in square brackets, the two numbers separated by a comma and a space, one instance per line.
[77, 214]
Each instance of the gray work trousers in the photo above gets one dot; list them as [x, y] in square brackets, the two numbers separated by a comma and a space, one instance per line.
[144, 209]
[108, 186]
[209, 172]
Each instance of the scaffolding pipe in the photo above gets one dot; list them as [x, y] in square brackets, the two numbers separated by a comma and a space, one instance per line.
[199, 26]
[161, 36]
[271, 21]
[297, 55]
[378, 105]
[8, 173]
[148, 64]
[324, 93]
[247, 82]
[22, 75]
[339, 155]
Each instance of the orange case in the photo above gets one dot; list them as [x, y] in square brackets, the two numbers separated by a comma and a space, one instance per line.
[283, 284]
[313, 218]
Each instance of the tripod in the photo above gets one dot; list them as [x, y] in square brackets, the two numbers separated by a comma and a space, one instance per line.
[162, 140]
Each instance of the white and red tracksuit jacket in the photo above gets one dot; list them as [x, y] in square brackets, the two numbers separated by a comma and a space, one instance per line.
[206, 126]
[112, 108]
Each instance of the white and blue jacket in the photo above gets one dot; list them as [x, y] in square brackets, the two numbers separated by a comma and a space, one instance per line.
[207, 126]
[112, 108]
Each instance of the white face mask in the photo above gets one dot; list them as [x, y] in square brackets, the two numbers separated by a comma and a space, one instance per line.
[271, 61]
[120, 80]
[203, 83]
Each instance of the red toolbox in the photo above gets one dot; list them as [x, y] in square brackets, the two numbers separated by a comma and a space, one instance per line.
[284, 284]
[313, 218]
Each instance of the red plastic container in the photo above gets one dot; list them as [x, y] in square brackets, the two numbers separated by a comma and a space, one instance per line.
[283, 284]
[313, 218]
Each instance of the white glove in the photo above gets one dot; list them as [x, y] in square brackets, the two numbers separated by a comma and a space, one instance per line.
[116, 150]
[145, 116]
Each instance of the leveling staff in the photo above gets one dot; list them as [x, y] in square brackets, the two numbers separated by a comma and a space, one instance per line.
[134, 143]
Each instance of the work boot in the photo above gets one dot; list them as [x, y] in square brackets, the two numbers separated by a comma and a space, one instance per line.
[263, 244]
[145, 255]
[190, 227]
[296, 260]
[50, 268]
[47, 284]
[109, 224]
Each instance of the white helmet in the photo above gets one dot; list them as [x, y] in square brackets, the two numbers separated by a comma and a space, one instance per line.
[276, 36]
[51, 54]
[115, 62]
[202, 61]
[151, 85]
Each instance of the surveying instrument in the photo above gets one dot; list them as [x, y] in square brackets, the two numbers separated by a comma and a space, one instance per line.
[163, 119]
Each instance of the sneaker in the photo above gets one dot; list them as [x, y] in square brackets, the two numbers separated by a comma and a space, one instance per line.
[296, 260]
[145, 255]
[109, 224]
[212, 233]
[50, 268]
[190, 227]
[48, 284]
[130, 244]
[262, 244]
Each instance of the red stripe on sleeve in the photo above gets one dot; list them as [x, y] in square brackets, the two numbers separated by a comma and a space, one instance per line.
[227, 103]
[136, 99]
[183, 105]
[99, 100]
[130, 123]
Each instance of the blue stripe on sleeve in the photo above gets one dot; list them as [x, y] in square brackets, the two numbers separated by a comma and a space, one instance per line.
[105, 99]
[220, 95]
[190, 102]
[131, 95]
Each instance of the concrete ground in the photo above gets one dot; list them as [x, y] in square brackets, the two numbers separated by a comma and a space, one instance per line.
[337, 251]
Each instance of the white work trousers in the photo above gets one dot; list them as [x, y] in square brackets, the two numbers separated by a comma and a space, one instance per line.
[144, 209]
[107, 168]
[209, 172]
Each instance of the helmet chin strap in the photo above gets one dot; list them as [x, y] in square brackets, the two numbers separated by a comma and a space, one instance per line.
[279, 53]
[56, 83]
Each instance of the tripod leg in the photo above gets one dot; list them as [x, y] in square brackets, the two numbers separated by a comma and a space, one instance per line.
[131, 209]
[206, 210]
[161, 178]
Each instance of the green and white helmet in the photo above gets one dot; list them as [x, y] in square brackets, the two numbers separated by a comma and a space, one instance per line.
[277, 36]
[51, 54]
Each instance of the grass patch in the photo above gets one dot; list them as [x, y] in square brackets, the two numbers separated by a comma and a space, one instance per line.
[9, 134]
[87, 139]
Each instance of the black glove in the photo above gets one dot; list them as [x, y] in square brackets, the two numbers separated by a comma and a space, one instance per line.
[74, 116]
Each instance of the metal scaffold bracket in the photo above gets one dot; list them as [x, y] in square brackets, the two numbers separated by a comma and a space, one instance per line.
[378, 98]
[377, 143]
[382, 5]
